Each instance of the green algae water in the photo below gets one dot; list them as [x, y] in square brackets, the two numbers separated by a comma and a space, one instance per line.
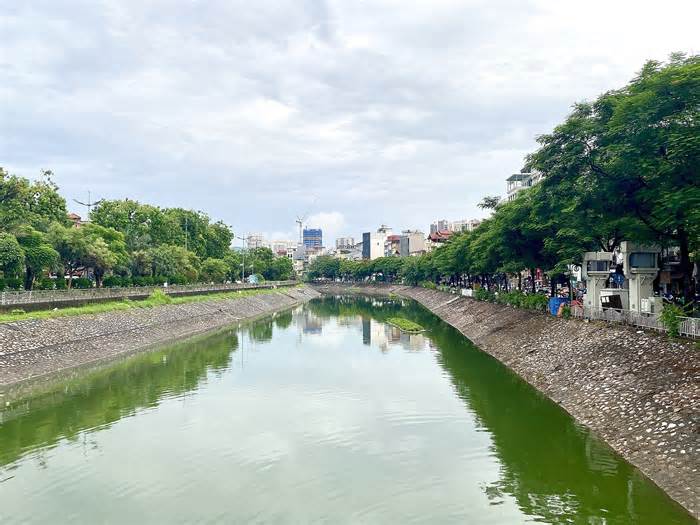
[323, 414]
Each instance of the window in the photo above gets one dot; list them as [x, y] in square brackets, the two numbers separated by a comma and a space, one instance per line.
[643, 260]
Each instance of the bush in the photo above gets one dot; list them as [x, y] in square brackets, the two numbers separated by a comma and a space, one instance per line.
[566, 312]
[536, 302]
[14, 283]
[482, 294]
[45, 284]
[61, 283]
[159, 297]
[112, 281]
[429, 285]
[17, 311]
[82, 283]
[671, 319]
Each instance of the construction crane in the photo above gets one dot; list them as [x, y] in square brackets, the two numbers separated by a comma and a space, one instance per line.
[89, 204]
[301, 218]
[300, 222]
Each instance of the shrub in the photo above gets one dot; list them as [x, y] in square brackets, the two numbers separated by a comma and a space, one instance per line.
[159, 297]
[112, 281]
[536, 302]
[482, 294]
[61, 283]
[14, 283]
[82, 283]
[429, 285]
[566, 311]
[17, 311]
[671, 319]
[45, 284]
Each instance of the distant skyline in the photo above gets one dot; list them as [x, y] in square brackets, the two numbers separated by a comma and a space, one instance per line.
[359, 113]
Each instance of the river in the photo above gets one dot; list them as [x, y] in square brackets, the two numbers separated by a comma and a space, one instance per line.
[320, 414]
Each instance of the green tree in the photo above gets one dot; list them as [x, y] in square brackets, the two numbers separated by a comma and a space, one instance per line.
[11, 255]
[214, 270]
[630, 161]
[39, 255]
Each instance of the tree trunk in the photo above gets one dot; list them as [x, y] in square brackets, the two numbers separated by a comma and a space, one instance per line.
[28, 278]
[532, 277]
[520, 281]
[686, 267]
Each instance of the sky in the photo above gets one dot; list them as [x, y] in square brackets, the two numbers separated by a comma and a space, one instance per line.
[355, 113]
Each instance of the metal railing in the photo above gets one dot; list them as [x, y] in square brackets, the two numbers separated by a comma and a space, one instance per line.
[17, 298]
[689, 327]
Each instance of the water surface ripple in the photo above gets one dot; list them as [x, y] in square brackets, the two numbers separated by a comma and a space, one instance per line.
[324, 414]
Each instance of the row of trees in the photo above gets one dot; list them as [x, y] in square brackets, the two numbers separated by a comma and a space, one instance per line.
[624, 167]
[125, 243]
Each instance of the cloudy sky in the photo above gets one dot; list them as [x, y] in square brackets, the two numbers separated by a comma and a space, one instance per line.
[357, 112]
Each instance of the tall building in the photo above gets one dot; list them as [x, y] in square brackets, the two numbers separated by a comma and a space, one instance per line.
[255, 240]
[344, 243]
[313, 238]
[463, 225]
[412, 243]
[440, 225]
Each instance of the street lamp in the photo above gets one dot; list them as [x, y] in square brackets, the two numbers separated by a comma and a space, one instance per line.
[243, 252]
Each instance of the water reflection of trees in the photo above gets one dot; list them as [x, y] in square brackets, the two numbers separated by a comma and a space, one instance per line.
[98, 399]
[552, 467]
[556, 471]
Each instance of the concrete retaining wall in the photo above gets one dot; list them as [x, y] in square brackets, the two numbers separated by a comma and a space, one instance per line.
[639, 391]
[34, 349]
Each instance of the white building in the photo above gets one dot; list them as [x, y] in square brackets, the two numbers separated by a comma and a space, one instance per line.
[255, 240]
[373, 243]
[521, 181]
[412, 243]
[344, 242]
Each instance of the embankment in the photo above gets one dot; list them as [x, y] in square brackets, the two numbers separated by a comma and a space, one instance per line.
[639, 391]
[36, 349]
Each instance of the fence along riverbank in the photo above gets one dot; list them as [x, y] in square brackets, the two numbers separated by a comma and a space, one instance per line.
[38, 299]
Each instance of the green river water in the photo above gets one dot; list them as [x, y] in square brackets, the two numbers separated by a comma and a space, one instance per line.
[323, 414]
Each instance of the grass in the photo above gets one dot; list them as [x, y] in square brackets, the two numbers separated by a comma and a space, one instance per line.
[405, 324]
[157, 298]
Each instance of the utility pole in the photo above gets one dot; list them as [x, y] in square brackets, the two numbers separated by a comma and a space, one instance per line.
[186, 231]
[243, 255]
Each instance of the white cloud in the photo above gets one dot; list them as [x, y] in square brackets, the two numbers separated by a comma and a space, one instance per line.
[386, 111]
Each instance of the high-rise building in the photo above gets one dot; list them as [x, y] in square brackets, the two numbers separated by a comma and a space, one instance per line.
[440, 225]
[255, 240]
[313, 238]
[344, 243]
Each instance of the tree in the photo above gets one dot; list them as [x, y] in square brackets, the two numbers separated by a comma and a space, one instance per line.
[490, 202]
[11, 255]
[26, 203]
[174, 261]
[214, 270]
[630, 161]
[39, 255]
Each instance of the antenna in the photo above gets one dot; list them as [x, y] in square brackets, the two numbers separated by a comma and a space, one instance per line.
[89, 204]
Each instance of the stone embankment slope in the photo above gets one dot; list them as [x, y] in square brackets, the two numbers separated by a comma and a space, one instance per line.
[33, 349]
[637, 390]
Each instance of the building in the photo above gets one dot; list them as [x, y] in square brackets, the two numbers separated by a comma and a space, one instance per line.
[374, 244]
[76, 219]
[412, 243]
[438, 238]
[282, 248]
[342, 243]
[313, 238]
[521, 181]
[440, 225]
[464, 225]
[255, 240]
[392, 245]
